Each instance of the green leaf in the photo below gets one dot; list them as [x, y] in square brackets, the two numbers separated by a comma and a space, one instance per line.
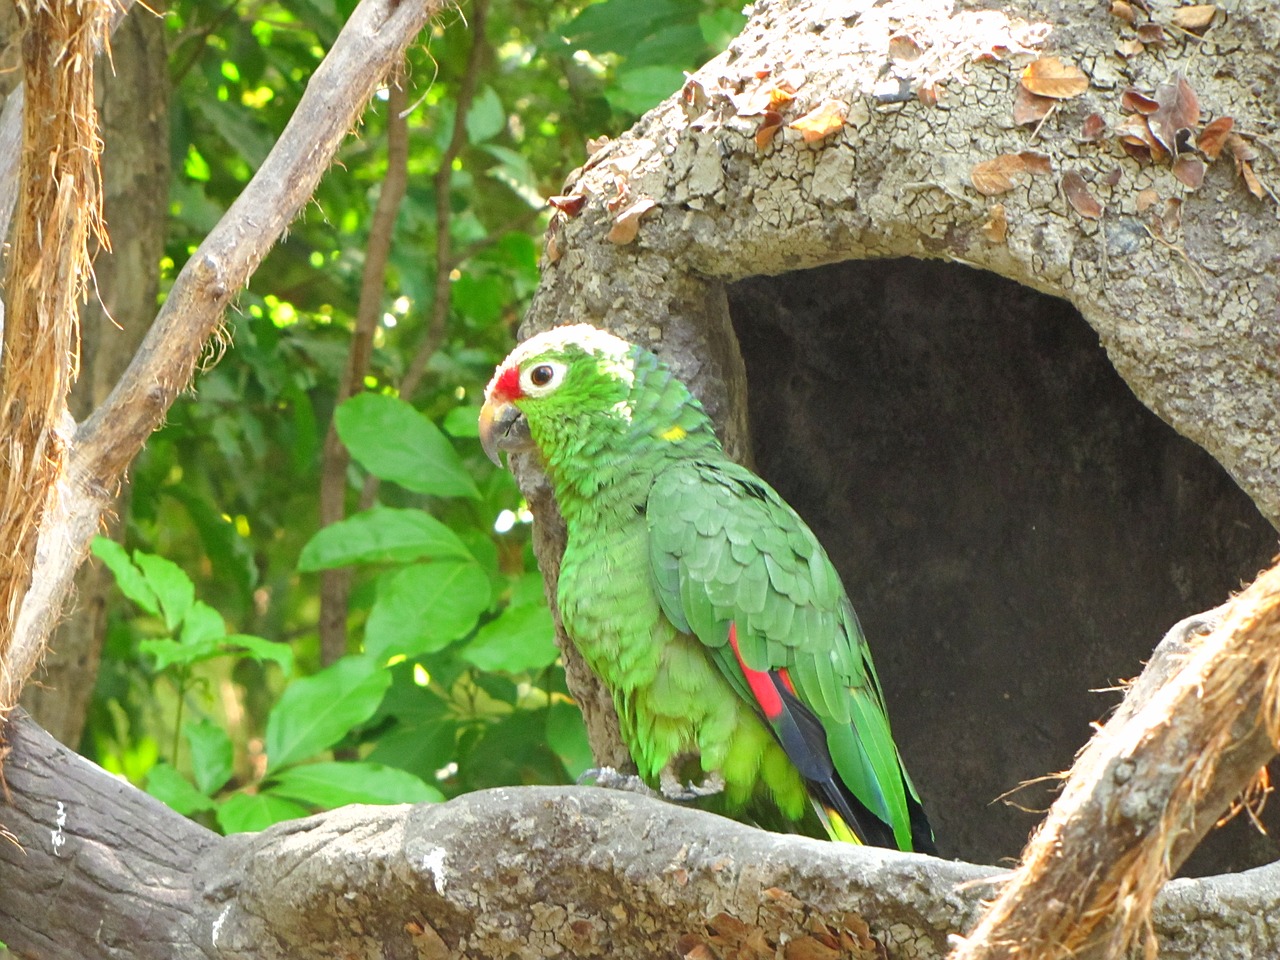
[256, 648]
[172, 586]
[486, 118]
[521, 638]
[567, 736]
[247, 812]
[382, 535]
[211, 755]
[168, 652]
[616, 26]
[463, 422]
[128, 577]
[425, 607]
[173, 789]
[202, 623]
[395, 442]
[719, 27]
[333, 784]
[640, 89]
[316, 712]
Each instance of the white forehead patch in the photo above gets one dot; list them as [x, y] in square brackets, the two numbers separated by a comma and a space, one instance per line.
[612, 350]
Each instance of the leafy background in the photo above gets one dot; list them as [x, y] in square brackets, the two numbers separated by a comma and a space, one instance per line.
[213, 692]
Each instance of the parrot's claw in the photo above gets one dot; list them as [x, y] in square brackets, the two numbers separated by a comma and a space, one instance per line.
[611, 779]
[673, 789]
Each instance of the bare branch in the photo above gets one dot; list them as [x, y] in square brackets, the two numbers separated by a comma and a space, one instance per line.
[335, 585]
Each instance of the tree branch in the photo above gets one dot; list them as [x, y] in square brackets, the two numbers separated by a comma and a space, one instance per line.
[371, 43]
[1144, 792]
[100, 870]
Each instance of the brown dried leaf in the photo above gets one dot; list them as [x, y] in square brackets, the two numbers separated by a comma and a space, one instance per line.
[1077, 193]
[1240, 148]
[725, 925]
[1137, 102]
[1147, 199]
[809, 948]
[1093, 128]
[691, 948]
[1050, 77]
[1179, 110]
[1214, 136]
[771, 124]
[1029, 107]
[570, 205]
[822, 121]
[1112, 178]
[993, 177]
[1251, 180]
[626, 225]
[1194, 18]
[596, 144]
[1189, 170]
[996, 229]
[903, 47]
[1124, 11]
[1171, 220]
[928, 94]
[1152, 34]
[552, 248]
[1129, 47]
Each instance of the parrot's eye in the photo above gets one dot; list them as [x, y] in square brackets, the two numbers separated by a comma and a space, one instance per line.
[542, 378]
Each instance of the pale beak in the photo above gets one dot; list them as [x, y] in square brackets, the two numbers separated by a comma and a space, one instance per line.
[503, 427]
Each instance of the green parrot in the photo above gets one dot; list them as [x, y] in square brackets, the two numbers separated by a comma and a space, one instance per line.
[700, 598]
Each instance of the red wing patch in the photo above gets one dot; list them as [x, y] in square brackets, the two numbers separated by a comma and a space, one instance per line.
[759, 681]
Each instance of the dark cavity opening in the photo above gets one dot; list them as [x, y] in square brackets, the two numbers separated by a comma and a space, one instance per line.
[1016, 530]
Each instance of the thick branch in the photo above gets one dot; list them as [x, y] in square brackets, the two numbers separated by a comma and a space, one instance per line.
[370, 44]
[516, 872]
[1143, 793]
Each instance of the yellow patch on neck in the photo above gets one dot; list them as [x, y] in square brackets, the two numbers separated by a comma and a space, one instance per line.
[674, 433]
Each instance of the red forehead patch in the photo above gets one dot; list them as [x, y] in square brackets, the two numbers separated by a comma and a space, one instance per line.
[507, 386]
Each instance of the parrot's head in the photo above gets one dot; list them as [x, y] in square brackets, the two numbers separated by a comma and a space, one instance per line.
[554, 385]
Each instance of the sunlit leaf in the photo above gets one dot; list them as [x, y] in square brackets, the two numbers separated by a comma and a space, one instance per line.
[382, 535]
[332, 784]
[395, 442]
[173, 789]
[316, 712]
[521, 638]
[211, 755]
[425, 607]
[128, 577]
[245, 812]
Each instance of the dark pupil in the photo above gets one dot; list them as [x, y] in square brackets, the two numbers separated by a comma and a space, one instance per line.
[540, 376]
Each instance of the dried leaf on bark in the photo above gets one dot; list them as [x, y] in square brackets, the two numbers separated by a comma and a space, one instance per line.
[1077, 193]
[1194, 18]
[822, 121]
[1178, 111]
[1137, 102]
[1112, 178]
[1137, 139]
[1124, 11]
[903, 47]
[1029, 107]
[1147, 199]
[1214, 136]
[996, 229]
[1251, 181]
[570, 205]
[993, 177]
[1152, 35]
[626, 225]
[769, 126]
[1189, 170]
[1050, 77]
[1093, 128]
[1129, 47]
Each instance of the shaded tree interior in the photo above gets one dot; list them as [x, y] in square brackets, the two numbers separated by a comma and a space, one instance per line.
[1017, 531]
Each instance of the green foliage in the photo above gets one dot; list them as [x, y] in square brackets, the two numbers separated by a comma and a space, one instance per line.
[452, 682]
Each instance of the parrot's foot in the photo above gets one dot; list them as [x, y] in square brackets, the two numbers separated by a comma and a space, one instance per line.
[673, 789]
[611, 779]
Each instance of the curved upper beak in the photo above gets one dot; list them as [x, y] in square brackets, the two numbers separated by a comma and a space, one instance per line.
[502, 427]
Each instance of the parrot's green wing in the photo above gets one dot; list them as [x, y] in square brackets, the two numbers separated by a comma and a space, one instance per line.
[735, 566]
